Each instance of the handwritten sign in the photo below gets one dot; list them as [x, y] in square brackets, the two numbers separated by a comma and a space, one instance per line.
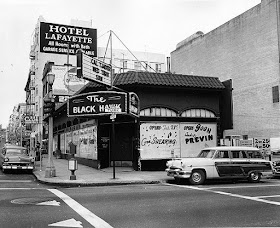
[159, 140]
[262, 143]
[196, 136]
[168, 140]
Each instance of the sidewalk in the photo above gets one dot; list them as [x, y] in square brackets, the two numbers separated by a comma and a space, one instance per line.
[87, 176]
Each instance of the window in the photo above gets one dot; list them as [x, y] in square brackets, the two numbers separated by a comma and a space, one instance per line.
[255, 154]
[158, 111]
[201, 113]
[137, 66]
[124, 64]
[275, 94]
[206, 154]
[239, 154]
[158, 67]
[222, 154]
[236, 154]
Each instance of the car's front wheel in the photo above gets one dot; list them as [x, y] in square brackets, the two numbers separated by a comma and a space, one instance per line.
[254, 177]
[197, 177]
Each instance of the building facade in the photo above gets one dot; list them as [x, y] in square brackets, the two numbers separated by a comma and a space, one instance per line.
[178, 116]
[54, 48]
[16, 130]
[246, 50]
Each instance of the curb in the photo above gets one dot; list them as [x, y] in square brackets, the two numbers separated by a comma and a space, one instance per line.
[88, 184]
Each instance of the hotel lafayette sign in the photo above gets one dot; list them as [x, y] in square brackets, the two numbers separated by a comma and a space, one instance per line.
[97, 103]
[55, 38]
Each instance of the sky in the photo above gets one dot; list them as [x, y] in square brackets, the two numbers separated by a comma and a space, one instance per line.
[142, 25]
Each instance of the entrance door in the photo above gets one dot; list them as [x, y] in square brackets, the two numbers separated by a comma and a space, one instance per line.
[123, 150]
[104, 146]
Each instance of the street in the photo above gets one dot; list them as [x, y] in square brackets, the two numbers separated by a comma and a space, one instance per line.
[26, 203]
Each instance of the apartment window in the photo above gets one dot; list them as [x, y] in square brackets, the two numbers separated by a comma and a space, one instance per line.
[137, 66]
[124, 64]
[158, 67]
[275, 94]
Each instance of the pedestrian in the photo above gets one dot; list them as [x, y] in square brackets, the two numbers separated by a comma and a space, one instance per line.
[37, 151]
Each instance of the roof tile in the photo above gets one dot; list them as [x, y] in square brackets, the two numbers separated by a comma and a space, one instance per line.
[165, 79]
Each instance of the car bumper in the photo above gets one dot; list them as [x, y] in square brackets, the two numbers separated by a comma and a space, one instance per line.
[5, 167]
[178, 173]
[276, 171]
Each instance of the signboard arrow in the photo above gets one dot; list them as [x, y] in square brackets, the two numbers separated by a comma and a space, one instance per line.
[68, 223]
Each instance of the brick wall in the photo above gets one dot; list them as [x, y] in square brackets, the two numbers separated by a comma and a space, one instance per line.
[244, 49]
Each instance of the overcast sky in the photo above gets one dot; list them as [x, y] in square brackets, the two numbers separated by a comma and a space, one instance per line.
[142, 25]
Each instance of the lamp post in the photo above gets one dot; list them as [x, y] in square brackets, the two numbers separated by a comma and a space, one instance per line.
[50, 169]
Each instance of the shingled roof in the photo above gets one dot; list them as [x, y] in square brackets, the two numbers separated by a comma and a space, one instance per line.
[134, 78]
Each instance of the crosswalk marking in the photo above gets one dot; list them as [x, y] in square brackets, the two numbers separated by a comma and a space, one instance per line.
[85, 213]
[255, 198]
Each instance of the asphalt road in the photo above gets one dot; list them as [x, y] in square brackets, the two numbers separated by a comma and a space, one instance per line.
[26, 203]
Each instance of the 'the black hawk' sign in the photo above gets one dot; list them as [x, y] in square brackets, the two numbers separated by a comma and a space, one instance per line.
[97, 103]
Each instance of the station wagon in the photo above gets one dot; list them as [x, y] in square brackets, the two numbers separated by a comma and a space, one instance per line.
[221, 162]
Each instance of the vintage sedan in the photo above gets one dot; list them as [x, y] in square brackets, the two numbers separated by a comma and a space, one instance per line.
[15, 157]
[276, 168]
[221, 162]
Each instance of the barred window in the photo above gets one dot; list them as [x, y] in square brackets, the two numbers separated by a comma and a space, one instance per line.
[158, 67]
[158, 111]
[201, 113]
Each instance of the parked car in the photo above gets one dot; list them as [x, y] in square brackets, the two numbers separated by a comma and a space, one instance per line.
[15, 157]
[275, 151]
[221, 162]
[276, 168]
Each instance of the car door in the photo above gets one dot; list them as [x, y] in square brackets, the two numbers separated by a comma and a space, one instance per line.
[223, 163]
[2, 152]
[257, 162]
[240, 162]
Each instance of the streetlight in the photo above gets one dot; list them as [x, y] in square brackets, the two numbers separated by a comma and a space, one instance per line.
[50, 169]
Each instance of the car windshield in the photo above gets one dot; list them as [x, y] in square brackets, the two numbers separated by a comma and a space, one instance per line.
[206, 154]
[15, 152]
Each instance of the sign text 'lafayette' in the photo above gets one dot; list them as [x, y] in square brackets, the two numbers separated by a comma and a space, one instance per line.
[67, 39]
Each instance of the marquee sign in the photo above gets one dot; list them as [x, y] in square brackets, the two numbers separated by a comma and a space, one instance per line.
[93, 69]
[134, 104]
[64, 39]
[97, 103]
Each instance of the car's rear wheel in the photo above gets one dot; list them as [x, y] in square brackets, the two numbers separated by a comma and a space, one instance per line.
[197, 177]
[254, 177]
